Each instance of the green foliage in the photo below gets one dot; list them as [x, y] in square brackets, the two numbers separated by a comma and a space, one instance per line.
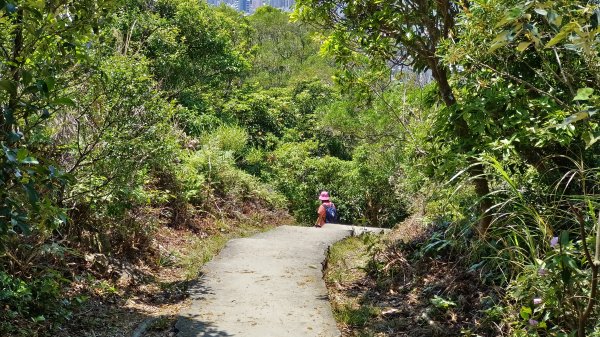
[441, 303]
[227, 138]
[356, 317]
[38, 300]
[118, 118]
[285, 52]
[558, 273]
[92, 157]
[263, 115]
[346, 260]
[393, 155]
[298, 176]
[190, 46]
[392, 30]
[358, 188]
[518, 82]
[532, 106]
[211, 173]
[39, 41]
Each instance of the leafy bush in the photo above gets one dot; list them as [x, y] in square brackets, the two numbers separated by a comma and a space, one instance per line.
[211, 178]
[357, 187]
[37, 300]
[228, 138]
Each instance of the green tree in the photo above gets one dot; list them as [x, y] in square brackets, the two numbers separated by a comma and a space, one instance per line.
[39, 42]
[538, 52]
[284, 52]
[191, 47]
[401, 33]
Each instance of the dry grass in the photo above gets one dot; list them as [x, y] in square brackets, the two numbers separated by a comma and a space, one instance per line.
[157, 293]
[382, 290]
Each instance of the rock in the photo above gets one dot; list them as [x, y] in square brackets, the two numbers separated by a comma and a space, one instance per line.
[98, 261]
[125, 278]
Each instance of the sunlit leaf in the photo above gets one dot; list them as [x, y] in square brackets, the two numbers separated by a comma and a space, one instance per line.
[11, 156]
[564, 32]
[497, 45]
[525, 312]
[22, 154]
[554, 18]
[583, 94]
[590, 138]
[523, 45]
[30, 160]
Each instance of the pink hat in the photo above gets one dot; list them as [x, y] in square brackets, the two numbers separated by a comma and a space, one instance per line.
[324, 196]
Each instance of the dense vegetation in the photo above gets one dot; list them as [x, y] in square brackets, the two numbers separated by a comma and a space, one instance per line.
[505, 156]
[122, 117]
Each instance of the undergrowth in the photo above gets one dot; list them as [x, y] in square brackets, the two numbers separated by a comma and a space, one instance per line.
[394, 286]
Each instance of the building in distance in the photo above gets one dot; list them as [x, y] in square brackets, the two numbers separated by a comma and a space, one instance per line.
[250, 6]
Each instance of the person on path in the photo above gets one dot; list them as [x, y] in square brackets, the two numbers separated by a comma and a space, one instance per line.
[327, 211]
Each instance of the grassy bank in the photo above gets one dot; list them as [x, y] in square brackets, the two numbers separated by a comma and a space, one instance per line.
[125, 297]
[385, 286]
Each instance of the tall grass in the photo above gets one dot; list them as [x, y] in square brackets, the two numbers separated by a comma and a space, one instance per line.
[543, 242]
[528, 212]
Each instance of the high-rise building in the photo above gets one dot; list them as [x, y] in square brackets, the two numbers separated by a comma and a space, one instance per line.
[244, 5]
[250, 6]
[281, 4]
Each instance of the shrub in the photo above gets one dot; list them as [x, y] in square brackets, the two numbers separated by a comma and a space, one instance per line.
[360, 188]
[37, 300]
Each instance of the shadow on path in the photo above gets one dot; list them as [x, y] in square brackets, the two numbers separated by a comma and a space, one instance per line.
[270, 284]
[191, 325]
[199, 328]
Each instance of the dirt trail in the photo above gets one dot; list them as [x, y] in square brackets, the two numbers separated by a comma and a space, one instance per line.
[268, 285]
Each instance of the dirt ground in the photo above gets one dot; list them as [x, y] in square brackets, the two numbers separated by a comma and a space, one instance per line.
[119, 307]
[387, 292]
[144, 300]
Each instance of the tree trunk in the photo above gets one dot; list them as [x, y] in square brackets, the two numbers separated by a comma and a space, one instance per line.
[482, 189]
[477, 172]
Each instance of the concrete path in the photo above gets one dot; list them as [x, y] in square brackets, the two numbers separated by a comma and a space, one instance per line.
[269, 285]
